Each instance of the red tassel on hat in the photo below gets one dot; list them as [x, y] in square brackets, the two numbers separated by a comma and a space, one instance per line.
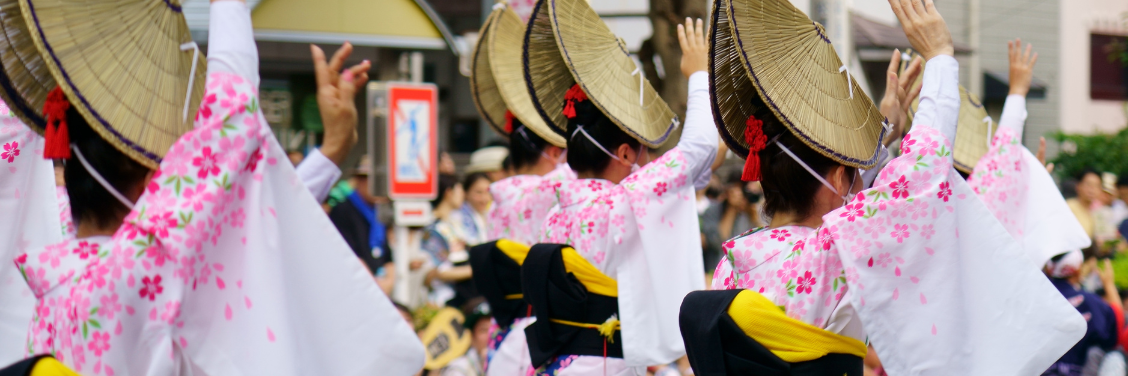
[57, 136]
[757, 141]
[574, 95]
[508, 122]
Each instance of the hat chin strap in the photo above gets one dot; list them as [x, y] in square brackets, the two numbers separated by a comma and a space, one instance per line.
[810, 170]
[634, 166]
[102, 181]
[192, 75]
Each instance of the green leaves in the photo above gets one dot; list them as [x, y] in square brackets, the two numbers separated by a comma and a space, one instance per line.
[1103, 152]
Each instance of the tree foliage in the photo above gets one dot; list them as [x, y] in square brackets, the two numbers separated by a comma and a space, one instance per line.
[1103, 152]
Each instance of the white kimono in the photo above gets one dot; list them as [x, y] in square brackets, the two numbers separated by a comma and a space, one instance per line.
[227, 265]
[644, 233]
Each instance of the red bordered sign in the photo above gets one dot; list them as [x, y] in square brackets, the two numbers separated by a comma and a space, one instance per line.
[412, 141]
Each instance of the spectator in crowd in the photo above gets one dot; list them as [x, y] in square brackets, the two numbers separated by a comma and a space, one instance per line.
[477, 313]
[1088, 197]
[446, 164]
[489, 160]
[737, 212]
[470, 220]
[450, 279]
[1102, 316]
[357, 218]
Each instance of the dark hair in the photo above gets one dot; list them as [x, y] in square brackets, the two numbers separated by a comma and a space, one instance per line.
[525, 146]
[583, 156]
[788, 187]
[1086, 171]
[1122, 180]
[470, 179]
[446, 182]
[89, 200]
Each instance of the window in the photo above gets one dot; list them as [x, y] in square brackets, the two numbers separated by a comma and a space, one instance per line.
[1108, 67]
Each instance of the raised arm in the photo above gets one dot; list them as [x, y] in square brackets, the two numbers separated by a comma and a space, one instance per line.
[939, 95]
[699, 138]
[231, 41]
[1021, 74]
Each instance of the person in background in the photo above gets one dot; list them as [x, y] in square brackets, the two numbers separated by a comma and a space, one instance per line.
[450, 279]
[489, 160]
[446, 164]
[737, 212]
[470, 220]
[357, 218]
[477, 313]
[295, 156]
[1088, 197]
[1108, 215]
[1100, 314]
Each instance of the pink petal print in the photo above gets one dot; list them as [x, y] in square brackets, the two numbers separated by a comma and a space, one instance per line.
[950, 209]
[863, 302]
[217, 266]
[272, 161]
[117, 329]
[962, 196]
[923, 300]
[269, 334]
[933, 329]
[109, 370]
[130, 282]
[248, 300]
[183, 342]
[12, 169]
[219, 283]
[897, 271]
[129, 310]
[914, 279]
[896, 293]
[239, 283]
[153, 314]
[930, 251]
[227, 312]
[98, 367]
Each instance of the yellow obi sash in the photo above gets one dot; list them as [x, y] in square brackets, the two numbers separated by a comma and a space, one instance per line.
[594, 280]
[790, 339]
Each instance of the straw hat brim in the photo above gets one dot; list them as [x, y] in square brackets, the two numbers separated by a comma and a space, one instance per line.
[483, 86]
[546, 74]
[600, 63]
[795, 70]
[974, 129]
[121, 66]
[25, 79]
[505, 40]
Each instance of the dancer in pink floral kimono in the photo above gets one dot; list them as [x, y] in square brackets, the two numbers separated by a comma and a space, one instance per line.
[1013, 182]
[212, 271]
[634, 218]
[915, 265]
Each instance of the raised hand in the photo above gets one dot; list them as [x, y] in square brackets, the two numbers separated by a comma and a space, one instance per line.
[336, 94]
[1041, 155]
[1021, 67]
[899, 95]
[695, 52]
[925, 28]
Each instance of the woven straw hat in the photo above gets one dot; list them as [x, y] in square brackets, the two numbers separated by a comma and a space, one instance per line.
[771, 49]
[973, 132]
[599, 62]
[24, 79]
[498, 80]
[122, 66]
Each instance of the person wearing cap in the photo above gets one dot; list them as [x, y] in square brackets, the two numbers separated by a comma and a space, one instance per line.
[1013, 183]
[1103, 316]
[902, 265]
[630, 216]
[478, 321]
[521, 201]
[194, 245]
[358, 219]
[488, 160]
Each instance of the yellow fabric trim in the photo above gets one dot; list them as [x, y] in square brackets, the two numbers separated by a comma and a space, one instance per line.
[514, 250]
[515, 296]
[789, 339]
[594, 280]
[48, 366]
[606, 329]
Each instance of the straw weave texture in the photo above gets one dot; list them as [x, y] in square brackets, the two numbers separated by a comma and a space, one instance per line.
[795, 70]
[120, 64]
[26, 79]
[600, 62]
[729, 85]
[505, 42]
[546, 74]
[483, 87]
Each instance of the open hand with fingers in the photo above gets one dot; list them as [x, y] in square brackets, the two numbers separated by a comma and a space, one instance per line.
[899, 95]
[336, 94]
[1021, 67]
[925, 28]
[695, 52]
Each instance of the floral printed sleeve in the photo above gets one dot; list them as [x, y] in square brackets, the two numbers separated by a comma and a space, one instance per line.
[928, 266]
